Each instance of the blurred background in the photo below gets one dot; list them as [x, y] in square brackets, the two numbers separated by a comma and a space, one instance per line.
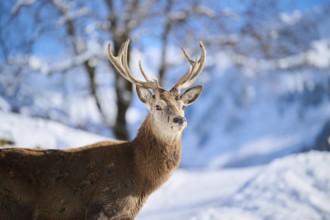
[266, 80]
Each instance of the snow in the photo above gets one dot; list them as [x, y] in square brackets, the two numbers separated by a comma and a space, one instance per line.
[320, 54]
[21, 3]
[73, 15]
[258, 130]
[291, 18]
[37, 132]
[4, 106]
[293, 187]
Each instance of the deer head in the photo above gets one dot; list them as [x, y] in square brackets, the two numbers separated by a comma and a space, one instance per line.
[166, 108]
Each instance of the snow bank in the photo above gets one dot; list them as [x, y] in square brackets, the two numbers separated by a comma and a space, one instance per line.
[295, 187]
[36, 132]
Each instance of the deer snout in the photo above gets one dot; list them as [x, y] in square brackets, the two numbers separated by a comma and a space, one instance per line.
[179, 120]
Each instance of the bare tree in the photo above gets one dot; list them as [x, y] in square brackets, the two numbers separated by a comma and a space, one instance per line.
[78, 46]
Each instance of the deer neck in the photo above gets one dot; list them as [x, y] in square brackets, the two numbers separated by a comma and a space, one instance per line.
[156, 154]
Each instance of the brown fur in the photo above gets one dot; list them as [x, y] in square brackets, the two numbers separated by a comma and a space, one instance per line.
[109, 180]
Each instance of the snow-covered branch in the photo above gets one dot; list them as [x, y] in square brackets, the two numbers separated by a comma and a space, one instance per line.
[21, 3]
[71, 15]
[43, 66]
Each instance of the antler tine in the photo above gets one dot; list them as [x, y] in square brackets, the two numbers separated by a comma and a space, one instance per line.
[143, 73]
[120, 62]
[116, 60]
[195, 69]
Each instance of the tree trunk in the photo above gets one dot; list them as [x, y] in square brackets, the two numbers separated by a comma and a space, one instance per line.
[91, 72]
[123, 90]
[165, 37]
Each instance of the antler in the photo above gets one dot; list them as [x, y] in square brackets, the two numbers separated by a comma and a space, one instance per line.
[195, 69]
[121, 65]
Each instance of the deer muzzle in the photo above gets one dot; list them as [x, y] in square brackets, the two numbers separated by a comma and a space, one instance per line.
[179, 120]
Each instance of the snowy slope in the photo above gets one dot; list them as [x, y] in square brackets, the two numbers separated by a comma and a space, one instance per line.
[36, 132]
[295, 187]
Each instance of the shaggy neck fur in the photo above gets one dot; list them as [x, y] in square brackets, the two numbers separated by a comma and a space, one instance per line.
[156, 154]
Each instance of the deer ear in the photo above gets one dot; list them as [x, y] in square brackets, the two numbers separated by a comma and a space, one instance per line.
[144, 94]
[191, 95]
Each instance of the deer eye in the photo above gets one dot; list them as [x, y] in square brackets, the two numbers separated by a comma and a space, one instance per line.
[158, 108]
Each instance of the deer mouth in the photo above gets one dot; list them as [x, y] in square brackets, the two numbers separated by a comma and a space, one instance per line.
[179, 127]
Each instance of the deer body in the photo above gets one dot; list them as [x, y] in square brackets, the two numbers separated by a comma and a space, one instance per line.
[106, 180]
[80, 183]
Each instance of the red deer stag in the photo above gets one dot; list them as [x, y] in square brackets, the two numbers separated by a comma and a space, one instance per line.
[109, 179]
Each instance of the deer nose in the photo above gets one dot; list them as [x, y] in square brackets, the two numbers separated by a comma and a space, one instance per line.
[179, 120]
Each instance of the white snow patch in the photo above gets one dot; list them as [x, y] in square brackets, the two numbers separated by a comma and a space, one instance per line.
[291, 18]
[36, 132]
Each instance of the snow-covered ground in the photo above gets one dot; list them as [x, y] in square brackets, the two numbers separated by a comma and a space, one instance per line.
[294, 187]
[36, 132]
